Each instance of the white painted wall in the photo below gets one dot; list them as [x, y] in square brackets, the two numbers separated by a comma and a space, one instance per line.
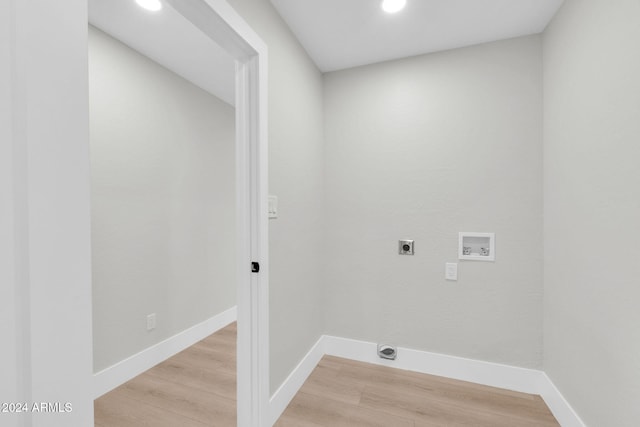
[163, 201]
[423, 148]
[591, 208]
[296, 177]
[9, 359]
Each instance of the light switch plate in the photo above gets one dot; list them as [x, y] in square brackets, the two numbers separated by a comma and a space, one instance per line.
[451, 271]
[273, 207]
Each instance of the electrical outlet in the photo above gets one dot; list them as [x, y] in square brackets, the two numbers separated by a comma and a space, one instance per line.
[451, 271]
[151, 321]
[405, 247]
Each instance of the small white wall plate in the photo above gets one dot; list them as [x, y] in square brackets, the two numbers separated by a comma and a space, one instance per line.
[273, 207]
[474, 246]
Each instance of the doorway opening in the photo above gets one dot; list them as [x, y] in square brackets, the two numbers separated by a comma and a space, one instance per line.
[159, 220]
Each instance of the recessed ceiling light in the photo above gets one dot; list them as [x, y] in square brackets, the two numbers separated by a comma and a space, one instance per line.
[152, 5]
[393, 6]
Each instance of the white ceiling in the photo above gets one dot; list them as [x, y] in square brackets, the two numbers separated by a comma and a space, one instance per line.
[341, 34]
[337, 34]
[170, 40]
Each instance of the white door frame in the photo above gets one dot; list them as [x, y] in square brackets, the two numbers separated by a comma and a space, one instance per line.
[47, 242]
[224, 26]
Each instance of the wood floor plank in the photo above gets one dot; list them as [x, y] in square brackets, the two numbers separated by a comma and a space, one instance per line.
[182, 399]
[426, 409]
[444, 389]
[324, 384]
[198, 357]
[217, 381]
[116, 409]
[330, 412]
[331, 365]
[425, 400]
[382, 375]
[194, 388]
[450, 392]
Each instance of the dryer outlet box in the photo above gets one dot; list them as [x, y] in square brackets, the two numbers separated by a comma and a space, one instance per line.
[405, 247]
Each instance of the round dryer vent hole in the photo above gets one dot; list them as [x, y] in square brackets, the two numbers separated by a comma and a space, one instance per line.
[387, 351]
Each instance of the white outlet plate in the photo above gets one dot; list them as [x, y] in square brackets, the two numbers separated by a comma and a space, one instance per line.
[451, 271]
[151, 321]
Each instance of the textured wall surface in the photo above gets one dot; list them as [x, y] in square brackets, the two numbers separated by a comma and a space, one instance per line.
[163, 201]
[591, 208]
[9, 368]
[423, 148]
[296, 177]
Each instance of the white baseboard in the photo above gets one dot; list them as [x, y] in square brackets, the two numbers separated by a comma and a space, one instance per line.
[118, 374]
[558, 405]
[492, 374]
[283, 396]
[475, 371]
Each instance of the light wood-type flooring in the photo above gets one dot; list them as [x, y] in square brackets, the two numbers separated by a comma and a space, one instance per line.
[197, 388]
[345, 393]
[194, 388]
